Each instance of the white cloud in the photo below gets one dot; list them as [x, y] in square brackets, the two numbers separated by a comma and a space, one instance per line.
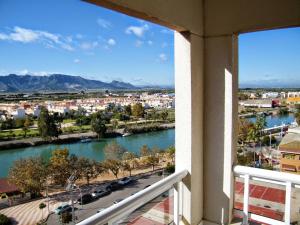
[137, 30]
[89, 45]
[111, 42]
[163, 57]
[139, 43]
[23, 72]
[46, 38]
[103, 23]
[76, 61]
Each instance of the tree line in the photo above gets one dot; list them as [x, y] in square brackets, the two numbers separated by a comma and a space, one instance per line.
[35, 173]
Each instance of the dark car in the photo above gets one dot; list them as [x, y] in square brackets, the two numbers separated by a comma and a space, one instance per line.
[114, 186]
[86, 198]
[101, 192]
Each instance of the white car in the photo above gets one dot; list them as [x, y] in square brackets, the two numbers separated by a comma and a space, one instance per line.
[125, 180]
[63, 208]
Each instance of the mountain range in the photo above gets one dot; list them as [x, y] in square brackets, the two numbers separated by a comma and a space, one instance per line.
[56, 82]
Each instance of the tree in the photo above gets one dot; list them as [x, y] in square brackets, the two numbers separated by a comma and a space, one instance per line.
[138, 110]
[98, 124]
[46, 125]
[114, 166]
[29, 174]
[144, 151]
[171, 153]
[26, 125]
[297, 117]
[164, 115]
[244, 126]
[152, 160]
[129, 161]
[88, 169]
[4, 220]
[114, 123]
[114, 151]
[41, 207]
[60, 166]
[127, 110]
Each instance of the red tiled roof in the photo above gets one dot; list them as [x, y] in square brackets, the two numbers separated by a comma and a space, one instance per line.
[6, 187]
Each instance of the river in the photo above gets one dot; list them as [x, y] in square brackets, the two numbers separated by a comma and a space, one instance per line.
[276, 120]
[92, 150]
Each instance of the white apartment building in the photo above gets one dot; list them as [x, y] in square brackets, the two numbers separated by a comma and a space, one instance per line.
[270, 95]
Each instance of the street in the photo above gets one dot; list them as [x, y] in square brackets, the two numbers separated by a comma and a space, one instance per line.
[84, 211]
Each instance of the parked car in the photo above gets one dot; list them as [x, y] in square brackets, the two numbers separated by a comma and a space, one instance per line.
[101, 192]
[86, 198]
[114, 186]
[125, 181]
[118, 200]
[63, 208]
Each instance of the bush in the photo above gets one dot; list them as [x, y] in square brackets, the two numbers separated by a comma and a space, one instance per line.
[4, 220]
[66, 217]
[266, 140]
[170, 168]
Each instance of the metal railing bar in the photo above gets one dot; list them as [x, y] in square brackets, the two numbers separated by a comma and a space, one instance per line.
[133, 202]
[267, 174]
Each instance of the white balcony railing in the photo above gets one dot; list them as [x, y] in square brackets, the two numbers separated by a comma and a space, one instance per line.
[286, 179]
[116, 212]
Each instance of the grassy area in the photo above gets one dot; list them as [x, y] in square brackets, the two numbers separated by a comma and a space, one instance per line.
[69, 121]
[33, 132]
[18, 134]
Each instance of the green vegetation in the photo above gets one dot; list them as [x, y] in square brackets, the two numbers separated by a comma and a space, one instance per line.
[48, 125]
[4, 220]
[98, 124]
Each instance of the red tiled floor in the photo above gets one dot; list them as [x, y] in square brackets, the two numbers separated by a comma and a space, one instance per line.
[144, 221]
[261, 211]
[261, 192]
[274, 195]
[257, 191]
[166, 206]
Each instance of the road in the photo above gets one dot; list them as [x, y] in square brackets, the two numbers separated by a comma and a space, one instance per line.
[85, 211]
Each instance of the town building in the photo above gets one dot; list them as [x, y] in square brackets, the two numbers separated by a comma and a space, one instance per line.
[290, 151]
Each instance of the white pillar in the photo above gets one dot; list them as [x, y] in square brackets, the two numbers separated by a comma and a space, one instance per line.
[220, 121]
[189, 125]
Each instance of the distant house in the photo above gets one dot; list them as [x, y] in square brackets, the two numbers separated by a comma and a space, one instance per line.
[290, 151]
[10, 194]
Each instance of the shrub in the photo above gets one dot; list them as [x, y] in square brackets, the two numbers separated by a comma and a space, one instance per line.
[66, 217]
[170, 168]
[4, 220]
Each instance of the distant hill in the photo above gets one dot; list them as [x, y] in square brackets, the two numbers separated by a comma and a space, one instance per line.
[56, 82]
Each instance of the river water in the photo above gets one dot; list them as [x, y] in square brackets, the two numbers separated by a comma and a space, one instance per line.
[92, 150]
[276, 120]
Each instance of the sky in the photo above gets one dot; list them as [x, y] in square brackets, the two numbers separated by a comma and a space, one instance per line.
[77, 38]
[270, 58]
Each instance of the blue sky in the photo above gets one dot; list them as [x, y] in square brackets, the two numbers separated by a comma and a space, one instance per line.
[270, 58]
[78, 38]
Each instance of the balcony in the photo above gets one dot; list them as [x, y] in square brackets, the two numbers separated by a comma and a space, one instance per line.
[206, 85]
[123, 212]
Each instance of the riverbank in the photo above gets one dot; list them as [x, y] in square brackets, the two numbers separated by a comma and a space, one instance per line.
[72, 138]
